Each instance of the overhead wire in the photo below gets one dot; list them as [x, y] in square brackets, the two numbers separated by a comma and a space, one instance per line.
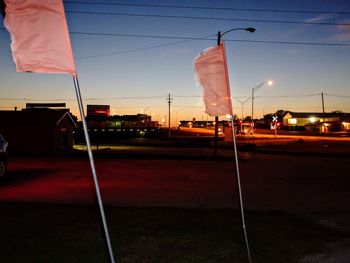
[137, 49]
[175, 96]
[288, 96]
[185, 39]
[209, 39]
[198, 38]
[210, 8]
[338, 96]
[209, 18]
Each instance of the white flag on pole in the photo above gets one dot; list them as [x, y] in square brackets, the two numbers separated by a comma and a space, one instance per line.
[41, 44]
[40, 37]
[212, 75]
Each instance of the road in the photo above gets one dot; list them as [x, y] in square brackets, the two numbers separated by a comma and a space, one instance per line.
[263, 133]
[278, 182]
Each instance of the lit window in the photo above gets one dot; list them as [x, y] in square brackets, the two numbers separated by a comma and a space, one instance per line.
[292, 121]
[312, 119]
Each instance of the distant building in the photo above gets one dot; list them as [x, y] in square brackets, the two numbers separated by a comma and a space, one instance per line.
[38, 129]
[103, 128]
[98, 110]
[198, 124]
[316, 121]
[59, 106]
[125, 122]
[98, 118]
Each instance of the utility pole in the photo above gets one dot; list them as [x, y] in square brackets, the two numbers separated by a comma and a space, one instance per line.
[322, 104]
[169, 99]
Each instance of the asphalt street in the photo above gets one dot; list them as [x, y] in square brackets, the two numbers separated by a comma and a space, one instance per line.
[279, 182]
[316, 188]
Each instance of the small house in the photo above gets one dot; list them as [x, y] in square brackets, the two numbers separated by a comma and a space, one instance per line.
[34, 130]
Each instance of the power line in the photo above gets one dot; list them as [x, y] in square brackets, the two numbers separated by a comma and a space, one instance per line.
[210, 39]
[189, 96]
[209, 18]
[289, 42]
[288, 96]
[165, 96]
[136, 49]
[139, 36]
[213, 8]
[184, 39]
[201, 38]
[86, 99]
[338, 96]
[129, 50]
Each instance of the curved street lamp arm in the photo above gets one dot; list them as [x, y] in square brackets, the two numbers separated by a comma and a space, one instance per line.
[259, 86]
[249, 29]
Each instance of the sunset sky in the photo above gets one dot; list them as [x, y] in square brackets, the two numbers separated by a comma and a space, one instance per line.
[132, 56]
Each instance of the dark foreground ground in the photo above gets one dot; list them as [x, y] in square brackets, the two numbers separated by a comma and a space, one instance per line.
[71, 233]
[168, 208]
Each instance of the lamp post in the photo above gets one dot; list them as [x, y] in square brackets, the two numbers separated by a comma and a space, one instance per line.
[220, 35]
[269, 82]
[144, 110]
[251, 30]
[242, 103]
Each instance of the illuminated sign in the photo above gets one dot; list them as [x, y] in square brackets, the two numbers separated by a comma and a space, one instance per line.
[98, 110]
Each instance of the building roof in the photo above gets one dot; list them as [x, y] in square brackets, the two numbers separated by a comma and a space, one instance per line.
[37, 117]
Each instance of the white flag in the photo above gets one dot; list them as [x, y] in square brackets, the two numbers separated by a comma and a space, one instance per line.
[212, 76]
[40, 38]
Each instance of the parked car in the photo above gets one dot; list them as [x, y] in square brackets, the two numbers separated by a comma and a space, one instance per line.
[3, 156]
[244, 128]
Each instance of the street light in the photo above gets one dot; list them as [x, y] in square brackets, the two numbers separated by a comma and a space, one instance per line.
[251, 30]
[242, 103]
[269, 83]
[216, 133]
[144, 110]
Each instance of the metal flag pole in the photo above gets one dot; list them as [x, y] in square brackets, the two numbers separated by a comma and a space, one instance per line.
[92, 164]
[235, 148]
[240, 192]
